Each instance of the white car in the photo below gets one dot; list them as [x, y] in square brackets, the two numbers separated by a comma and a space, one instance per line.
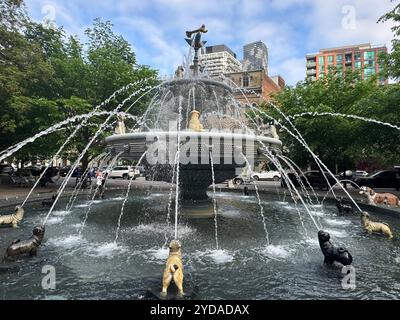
[124, 172]
[266, 175]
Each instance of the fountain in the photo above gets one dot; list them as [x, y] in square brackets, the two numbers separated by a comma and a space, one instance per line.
[194, 135]
[202, 114]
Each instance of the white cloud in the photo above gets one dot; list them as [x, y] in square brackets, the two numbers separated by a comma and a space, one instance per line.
[290, 28]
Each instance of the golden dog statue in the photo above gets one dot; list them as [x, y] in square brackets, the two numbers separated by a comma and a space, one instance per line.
[375, 227]
[13, 219]
[173, 268]
[375, 198]
[194, 123]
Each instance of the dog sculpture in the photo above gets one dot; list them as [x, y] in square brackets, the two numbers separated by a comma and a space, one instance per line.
[375, 227]
[246, 191]
[29, 246]
[331, 253]
[173, 268]
[49, 202]
[13, 219]
[343, 208]
[194, 123]
[375, 198]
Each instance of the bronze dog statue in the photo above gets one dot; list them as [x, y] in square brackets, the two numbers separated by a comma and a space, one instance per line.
[13, 219]
[330, 252]
[343, 207]
[29, 246]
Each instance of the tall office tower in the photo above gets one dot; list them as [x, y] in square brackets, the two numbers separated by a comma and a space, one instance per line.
[255, 56]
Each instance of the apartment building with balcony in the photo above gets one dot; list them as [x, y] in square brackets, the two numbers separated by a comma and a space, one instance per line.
[362, 57]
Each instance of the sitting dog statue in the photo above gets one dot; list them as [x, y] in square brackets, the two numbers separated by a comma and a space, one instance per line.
[13, 219]
[330, 252]
[49, 202]
[29, 246]
[246, 191]
[375, 227]
[343, 207]
[173, 268]
[375, 198]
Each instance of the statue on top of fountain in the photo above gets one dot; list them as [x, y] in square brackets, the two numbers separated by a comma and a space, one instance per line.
[196, 43]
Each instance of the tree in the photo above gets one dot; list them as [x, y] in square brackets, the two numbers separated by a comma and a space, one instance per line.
[46, 77]
[392, 60]
[341, 143]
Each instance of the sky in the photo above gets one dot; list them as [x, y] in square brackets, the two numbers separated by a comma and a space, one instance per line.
[289, 28]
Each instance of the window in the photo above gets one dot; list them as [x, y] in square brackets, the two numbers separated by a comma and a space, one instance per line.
[348, 57]
[357, 56]
[321, 69]
[321, 60]
[339, 59]
[369, 64]
[357, 64]
[330, 59]
[246, 81]
[369, 55]
[368, 72]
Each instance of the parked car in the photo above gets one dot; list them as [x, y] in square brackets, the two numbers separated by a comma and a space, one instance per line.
[65, 170]
[360, 173]
[314, 177]
[353, 175]
[266, 175]
[124, 172]
[380, 179]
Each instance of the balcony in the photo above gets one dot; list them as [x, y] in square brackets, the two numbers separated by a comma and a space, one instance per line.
[311, 64]
[311, 72]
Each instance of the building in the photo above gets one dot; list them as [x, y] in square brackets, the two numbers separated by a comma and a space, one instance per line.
[255, 56]
[363, 57]
[256, 85]
[219, 60]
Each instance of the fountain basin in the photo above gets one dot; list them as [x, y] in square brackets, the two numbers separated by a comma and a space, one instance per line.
[290, 268]
[227, 150]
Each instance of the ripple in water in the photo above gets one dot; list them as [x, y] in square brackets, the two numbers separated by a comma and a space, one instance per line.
[220, 256]
[61, 213]
[107, 250]
[337, 233]
[229, 213]
[68, 242]
[83, 205]
[158, 253]
[54, 220]
[277, 251]
[312, 242]
[160, 228]
[333, 222]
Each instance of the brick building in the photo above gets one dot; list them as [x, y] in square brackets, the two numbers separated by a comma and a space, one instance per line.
[256, 81]
[363, 57]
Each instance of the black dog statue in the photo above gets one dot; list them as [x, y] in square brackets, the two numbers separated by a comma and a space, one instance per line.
[343, 207]
[246, 191]
[49, 202]
[29, 246]
[331, 253]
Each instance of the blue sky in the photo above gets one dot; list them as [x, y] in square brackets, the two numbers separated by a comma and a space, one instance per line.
[290, 28]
